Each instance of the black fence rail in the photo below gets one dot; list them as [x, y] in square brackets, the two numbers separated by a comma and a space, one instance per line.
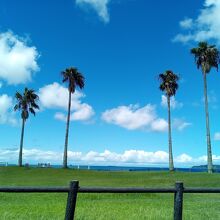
[74, 189]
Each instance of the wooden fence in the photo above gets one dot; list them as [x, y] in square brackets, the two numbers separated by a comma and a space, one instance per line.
[74, 189]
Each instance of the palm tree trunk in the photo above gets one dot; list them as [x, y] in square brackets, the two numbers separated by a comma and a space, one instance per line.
[67, 133]
[171, 166]
[209, 149]
[21, 144]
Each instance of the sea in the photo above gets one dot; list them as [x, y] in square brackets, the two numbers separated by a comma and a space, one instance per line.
[121, 168]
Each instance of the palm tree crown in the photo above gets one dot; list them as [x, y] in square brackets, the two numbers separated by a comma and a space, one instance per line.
[169, 83]
[26, 103]
[74, 78]
[206, 56]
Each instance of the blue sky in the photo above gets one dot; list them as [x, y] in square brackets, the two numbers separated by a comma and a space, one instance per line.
[120, 46]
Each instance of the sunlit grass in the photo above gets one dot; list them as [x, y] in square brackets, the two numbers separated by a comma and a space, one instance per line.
[105, 206]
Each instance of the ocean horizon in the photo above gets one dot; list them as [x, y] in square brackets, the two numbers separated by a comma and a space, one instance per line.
[200, 168]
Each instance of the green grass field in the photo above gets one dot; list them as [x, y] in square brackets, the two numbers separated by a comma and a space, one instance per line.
[105, 206]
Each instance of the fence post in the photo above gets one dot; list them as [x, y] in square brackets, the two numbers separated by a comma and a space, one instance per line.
[178, 201]
[71, 200]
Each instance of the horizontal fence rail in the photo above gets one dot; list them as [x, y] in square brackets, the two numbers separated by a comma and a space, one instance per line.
[35, 189]
[104, 190]
[74, 189]
[85, 190]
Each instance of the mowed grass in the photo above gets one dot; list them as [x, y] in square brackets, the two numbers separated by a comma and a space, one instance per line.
[105, 206]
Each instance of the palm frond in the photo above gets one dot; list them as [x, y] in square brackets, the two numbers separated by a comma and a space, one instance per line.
[26, 102]
[206, 56]
[74, 78]
[34, 105]
[32, 111]
[168, 82]
[16, 107]
[18, 96]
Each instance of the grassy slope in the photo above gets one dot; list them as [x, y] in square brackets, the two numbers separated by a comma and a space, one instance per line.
[105, 206]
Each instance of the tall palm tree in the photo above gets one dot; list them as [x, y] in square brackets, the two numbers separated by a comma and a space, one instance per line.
[25, 103]
[206, 57]
[169, 85]
[74, 79]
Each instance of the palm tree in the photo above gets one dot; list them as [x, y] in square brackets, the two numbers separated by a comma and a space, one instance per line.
[206, 57]
[74, 79]
[169, 85]
[25, 103]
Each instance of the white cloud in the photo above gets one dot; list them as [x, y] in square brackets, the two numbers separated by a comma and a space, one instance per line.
[217, 136]
[60, 116]
[183, 38]
[187, 23]
[100, 7]
[205, 27]
[184, 158]
[42, 156]
[92, 157]
[132, 117]
[173, 102]
[84, 113]
[18, 61]
[7, 115]
[180, 124]
[159, 124]
[128, 157]
[203, 159]
[36, 155]
[55, 96]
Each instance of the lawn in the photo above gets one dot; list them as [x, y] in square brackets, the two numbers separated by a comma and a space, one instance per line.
[105, 206]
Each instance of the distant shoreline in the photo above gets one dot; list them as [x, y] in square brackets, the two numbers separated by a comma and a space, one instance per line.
[200, 168]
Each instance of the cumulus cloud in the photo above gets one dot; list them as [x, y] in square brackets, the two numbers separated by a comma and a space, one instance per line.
[18, 61]
[183, 158]
[159, 124]
[107, 157]
[128, 156]
[205, 27]
[55, 96]
[217, 136]
[173, 102]
[187, 23]
[36, 155]
[203, 159]
[180, 124]
[84, 113]
[7, 115]
[99, 6]
[133, 117]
